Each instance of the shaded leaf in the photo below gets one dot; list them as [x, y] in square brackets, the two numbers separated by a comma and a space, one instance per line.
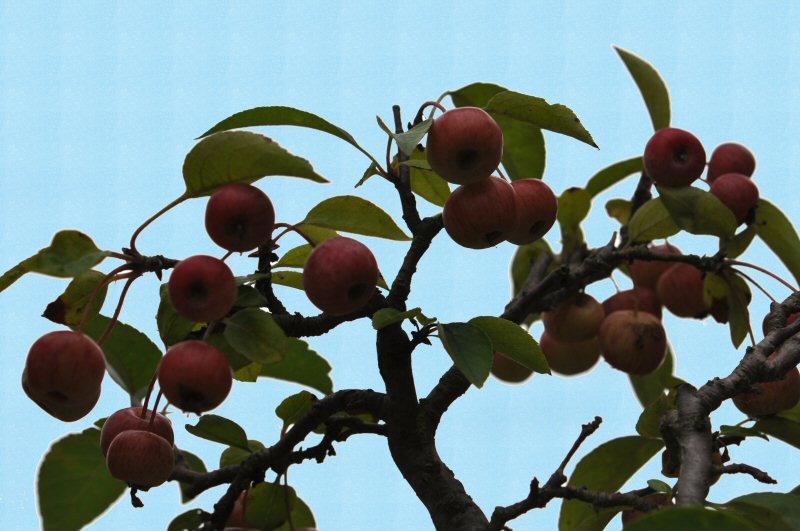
[738, 297]
[573, 206]
[647, 425]
[219, 429]
[694, 518]
[741, 431]
[302, 365]
[781, 428]
[611, 175]
[524, 152]
[470, 348]
[249, 297]
[68, 308]
[425, 182]
[698, 212]
[652, 222]
[192, 462]
[172, 327]
[266, 505]
[619, 209]
[523, 260]
[233, 456]
[301, 517]
[386, 316]
[294, 257]
[651, 386]
[188, 521]
[739, 243]
[652, 87]
[294, 407]
[513, 341]
[775, 229]
[349, 213]
[255, 334]
[659, 486]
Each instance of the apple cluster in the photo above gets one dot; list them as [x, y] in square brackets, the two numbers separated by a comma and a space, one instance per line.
[465, 146]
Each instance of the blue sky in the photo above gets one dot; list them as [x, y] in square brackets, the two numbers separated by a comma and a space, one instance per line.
[100, 102]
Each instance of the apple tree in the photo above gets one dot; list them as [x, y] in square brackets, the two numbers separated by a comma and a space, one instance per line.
[481, 160]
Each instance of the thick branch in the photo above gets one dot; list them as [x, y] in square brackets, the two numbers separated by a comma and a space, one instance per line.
[264, 285]
[427, 229]
[402, 181]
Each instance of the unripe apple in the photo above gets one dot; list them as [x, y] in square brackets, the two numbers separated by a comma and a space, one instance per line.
[140, 458]
[465, 145]
[508, 370]
[569, 358]
[633, 342]
[537, 208]
[481, 214]
[631, 515]
[645, 273]
[63, 373]
[634, 299]
[674, 157]
[239, 217]
[737, 192]
[680, 290]
[194, 376]
[789, 320]
[130, 419]
[202, 288]
[576, 318]
[730, 158]
[775, 397]
[340, 275]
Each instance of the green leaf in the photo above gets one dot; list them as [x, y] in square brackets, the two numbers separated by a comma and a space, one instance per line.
[172, 327]
[475, 95]
[131, 358]
[775, 229]
[651, 222]
[294, 257]
[294, 407]
[738, 297]
[192, 462]
[611, 175]
[239, 157]
[301, 517]
[522, 261]
[70, 254]
[739, 243]
[249, 297]
[266, 505]
[741, 431]
[791, 414]
[235, 358]
[690, 518]
[73, 485]
[537, 112]
[573, 206]
[386, 316]
[349, 213]
[316, 234]
[619, 209]
[698, 212]
[654, 91]
[371, 170]
[275, 115]
[659, 486]
[188, 521]
[407, 142]
[425, 182]
[255, 334]
[69, 307]
[781, 428]
[470, 348]
[651, 386]
[605, 469]
[302, 365]
[233, 456]
[513, 341]
[290, 279]
[761, 516]
[647, 425]
[219, 429]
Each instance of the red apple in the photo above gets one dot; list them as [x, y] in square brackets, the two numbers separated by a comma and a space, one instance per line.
[570, 358]
[63, 373]
[140, 458]
[737, 192]
[775, 397]
[202, 288]
[508, 370]
[633, 342]
[680, 289]
[730, 158]
[194, 376]
[130, 419]
[577, 318]
[645, 273]
[789, 320]
[674, 157]
[482, 214]
[634, 299]
[239, 217]
[340, 275]
[537, 207]
[236, 519]
[465, 145]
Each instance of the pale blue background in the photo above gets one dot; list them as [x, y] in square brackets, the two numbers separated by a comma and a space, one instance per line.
[99, 103]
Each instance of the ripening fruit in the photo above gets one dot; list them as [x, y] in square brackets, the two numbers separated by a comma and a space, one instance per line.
[140, 458]
[634, 299]
[645, 273]
[482, 214]
[789, 320]
[130, 419]
[674, 157]
[570, 358]
[775, 397]
[63, 373]
[537, 208]
[340, 275]
[730, 158]
[465, 145]
[195, 376]
[508, 370]
[576, 318]
[239, 217]
[680, 290]
[202, 288]
[737, 192]
[633, 342]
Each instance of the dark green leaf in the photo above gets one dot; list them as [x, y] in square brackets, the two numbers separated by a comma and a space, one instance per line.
[294, 407]
[741, 431]
[290, 279]
[386, 316]
[775, 229]
[651, 222]
[573, 206]
[738, 297]
[654, 91]
[73, 485]
[239, 157]
[475, 95]
[470, 348]
[690, 518]
[233, 456]
[762, 517]
[349, 213]
[513, 341]
[606, 469]
[408, 141]
[302, 365]
[172, 327]
[70, 254]
[784, 429]
[188, 521]
[250, 297]
[524, 153]
[649, 420]
[739, 243]
[698, 212]
[255, 334]
[611, 175]
[131, 358]
[522, 261]
[537, 112]
[651, 386]
[425, 182]
[294, 257]
[68, 308]
[235, 358]
[659, 486]
[619, 209]
[301, 517]
[219, 429]
[266, 505]
[192, 462]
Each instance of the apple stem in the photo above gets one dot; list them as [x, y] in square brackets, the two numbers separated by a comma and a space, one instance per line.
[103, 281]
[288, 227]
[502, 175]
[153, 414]
[117, 310]
[121, 256]
[209, 327]
[154, 217]
[435, 104]
[147, 394]
[613, 281]
[389, 155]
[754, 283]
[226, 255]
[765, 271]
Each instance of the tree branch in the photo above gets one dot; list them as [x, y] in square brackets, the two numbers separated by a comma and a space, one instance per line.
[402, 181]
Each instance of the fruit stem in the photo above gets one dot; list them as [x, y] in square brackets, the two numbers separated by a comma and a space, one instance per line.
[117, 310]
[434, 104]
[389, 154]
[103, 281]
[121, 256]
[226, 255]
[209, 327]
[753, 282]
[147, 394]
[502, 175]
[613, 281]
[154, 217]
[294, 228]
[153, 414]
[765, 271]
